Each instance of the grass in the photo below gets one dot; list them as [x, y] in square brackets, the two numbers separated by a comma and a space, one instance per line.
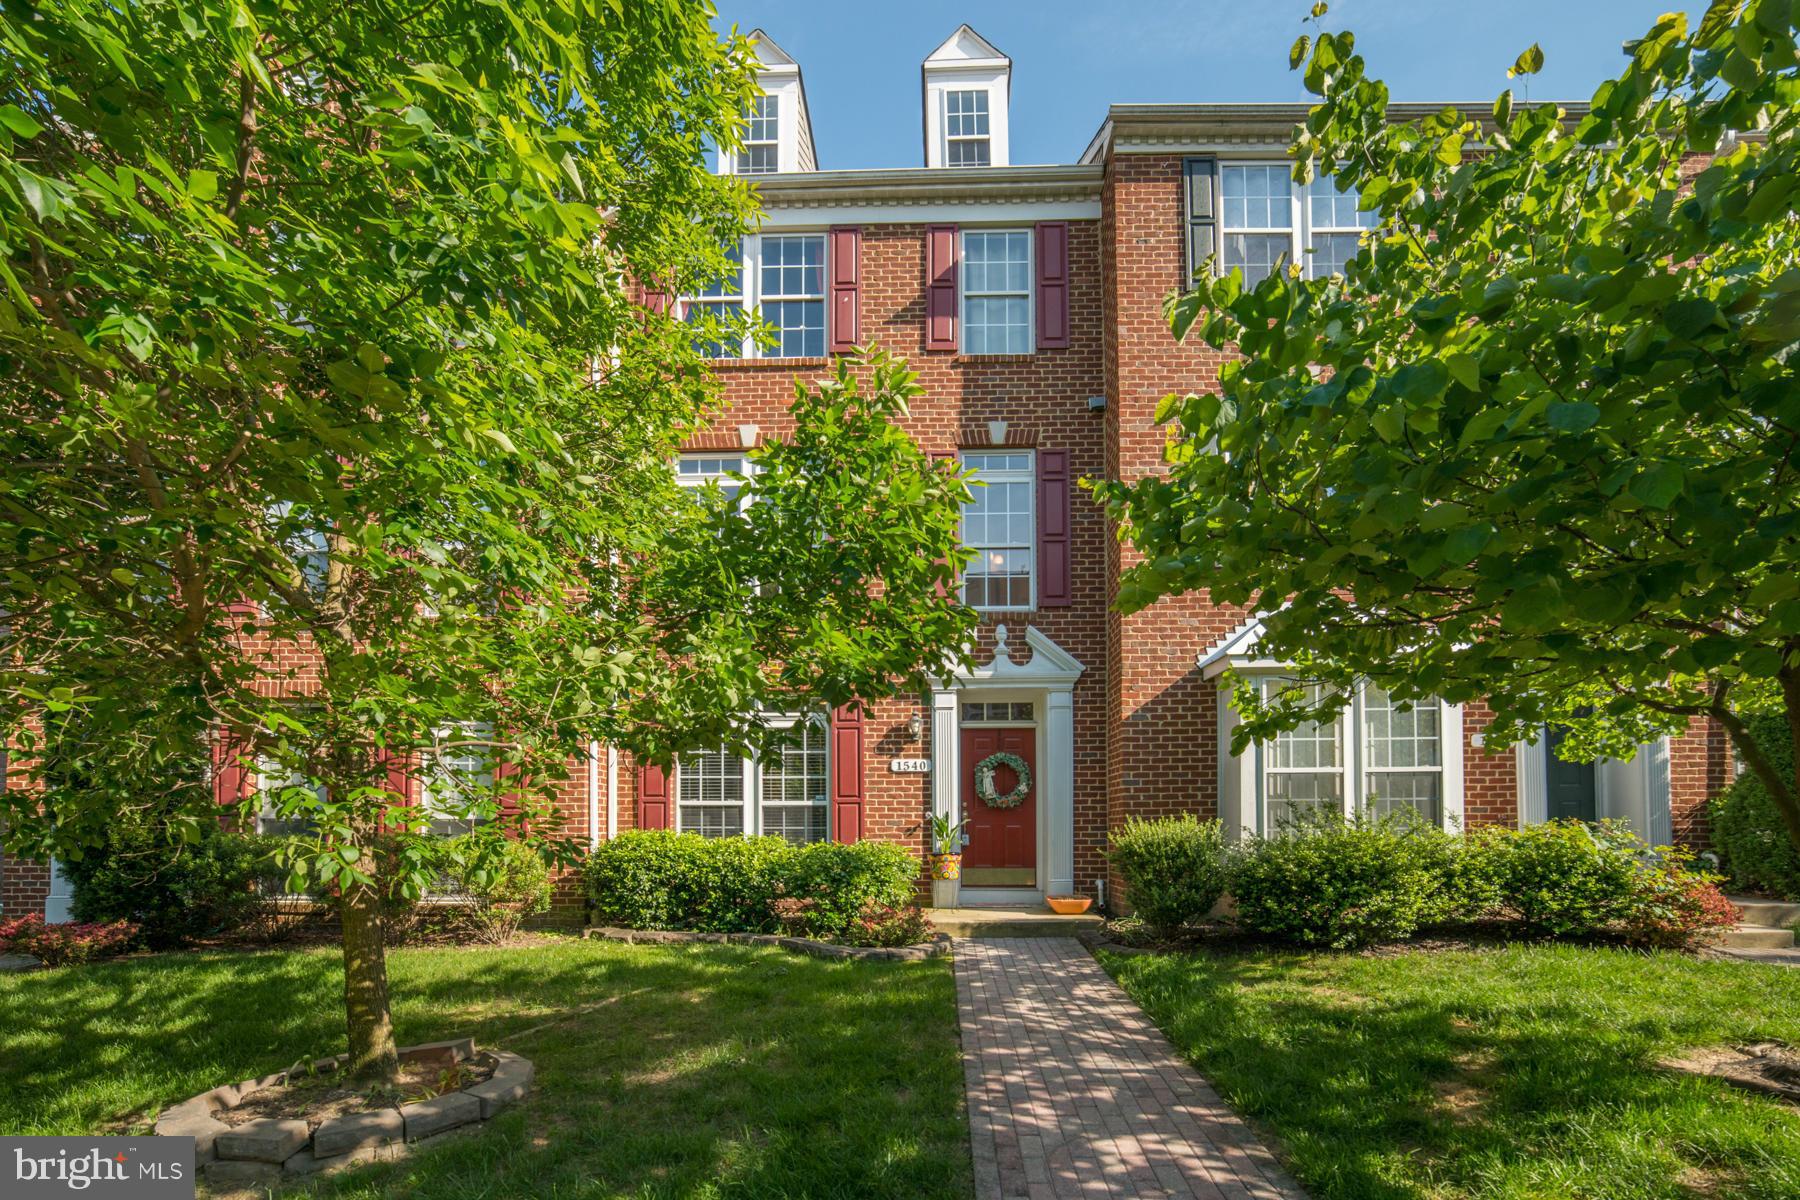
[706, 1071]
[1526, 1071]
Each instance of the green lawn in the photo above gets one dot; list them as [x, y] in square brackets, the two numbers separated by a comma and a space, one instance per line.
[1517, 1072]
[694, 1071]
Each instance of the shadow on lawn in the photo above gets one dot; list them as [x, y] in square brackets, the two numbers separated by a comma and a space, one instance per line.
[661, 1071]
[1532, 1085]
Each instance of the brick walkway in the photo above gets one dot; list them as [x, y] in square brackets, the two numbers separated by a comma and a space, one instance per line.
[1073, 1092]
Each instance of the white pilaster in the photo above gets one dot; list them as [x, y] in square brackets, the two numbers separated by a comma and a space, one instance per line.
[1059, 789]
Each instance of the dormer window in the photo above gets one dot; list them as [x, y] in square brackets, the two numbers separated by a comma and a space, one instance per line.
[967, 141]
[761, 152]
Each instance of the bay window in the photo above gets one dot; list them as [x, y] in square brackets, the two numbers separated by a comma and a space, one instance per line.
[783, 792]
[1378, 757]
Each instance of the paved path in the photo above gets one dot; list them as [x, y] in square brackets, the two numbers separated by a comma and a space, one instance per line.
[1073, 1092]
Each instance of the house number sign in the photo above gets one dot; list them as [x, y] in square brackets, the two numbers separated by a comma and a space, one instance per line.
[909, 766]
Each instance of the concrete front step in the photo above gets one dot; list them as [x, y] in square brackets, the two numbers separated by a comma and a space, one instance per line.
[1771, 914]
[1757, 937]
[1010, 922]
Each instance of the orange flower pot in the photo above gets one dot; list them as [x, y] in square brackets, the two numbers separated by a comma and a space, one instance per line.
[946, 866]
[1068, 906]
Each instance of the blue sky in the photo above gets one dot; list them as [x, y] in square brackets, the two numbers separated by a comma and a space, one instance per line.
[1070, 60]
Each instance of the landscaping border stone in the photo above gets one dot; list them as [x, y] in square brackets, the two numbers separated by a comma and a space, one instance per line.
[262, 1151]
[937, 947]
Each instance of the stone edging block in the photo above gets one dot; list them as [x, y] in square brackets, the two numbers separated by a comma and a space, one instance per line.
[938, 946]
[267, 1139]
[439, 1113]
[357, 1131]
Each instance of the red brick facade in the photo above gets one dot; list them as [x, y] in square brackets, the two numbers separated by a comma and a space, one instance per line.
[1145, 720]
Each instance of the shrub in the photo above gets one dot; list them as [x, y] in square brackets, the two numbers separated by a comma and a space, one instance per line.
[174, 890]
[653, 879]
[1675, 908]
[1747, 832]
[504, 886]
[1563, 878]
[843, 882]
[1173, 867]
[1332, 882]
[65, 943]
[888, 925]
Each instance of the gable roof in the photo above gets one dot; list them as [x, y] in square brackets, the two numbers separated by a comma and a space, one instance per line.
[963, 46]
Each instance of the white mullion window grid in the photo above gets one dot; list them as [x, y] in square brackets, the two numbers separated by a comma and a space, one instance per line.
[716, 466]
[1007, 476]
[271, 779]
[750, 295]
[1300, 229]
[1266, 753]
[751, 801]
[1367, 795]
[765, 297]
[444, 770]
[1355, 758]
[718, 296]
[815, 810]
[971, 127]
[762, 132]
[965, 293]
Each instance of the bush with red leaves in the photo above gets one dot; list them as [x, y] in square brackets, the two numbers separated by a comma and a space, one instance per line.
[1673, 908]
[66, 942]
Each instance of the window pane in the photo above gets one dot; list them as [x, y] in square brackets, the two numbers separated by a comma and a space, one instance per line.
[1295, 796]
[1390, 792]
[793, 266]
[765, 119]
[970, 152]
[794, 784]
[1255, 253]
[1402, 739]
[710, 790]
[1330, 251]
[798, 326]
[718, 327]
[758, 160]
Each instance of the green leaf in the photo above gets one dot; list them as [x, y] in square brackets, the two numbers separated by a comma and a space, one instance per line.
[19, 121]
[1659, 486]
[504, 442]
[1297, 52]
[203, 185]
[1692, 317]
[1528, 63]
[1465, 370]
[1573, 416]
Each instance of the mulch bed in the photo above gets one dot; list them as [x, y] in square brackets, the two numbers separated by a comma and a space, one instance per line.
[318, 1098]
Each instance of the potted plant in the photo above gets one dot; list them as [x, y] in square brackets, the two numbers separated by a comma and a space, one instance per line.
[946, 859]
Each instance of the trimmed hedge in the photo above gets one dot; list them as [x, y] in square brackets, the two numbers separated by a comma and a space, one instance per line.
[1173, 867]
[1338, 883]
[1748, 833]
[172, 890]
[1562, 878]
[655, 879]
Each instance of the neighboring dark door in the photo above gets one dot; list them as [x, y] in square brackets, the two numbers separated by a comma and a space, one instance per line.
[1002, 849]
[1568, 787]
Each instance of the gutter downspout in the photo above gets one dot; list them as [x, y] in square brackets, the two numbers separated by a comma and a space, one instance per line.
[612, 792]
[593, 791]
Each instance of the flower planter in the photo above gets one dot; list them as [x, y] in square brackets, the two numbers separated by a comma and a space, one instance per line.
[1068, 906]
[946, 866]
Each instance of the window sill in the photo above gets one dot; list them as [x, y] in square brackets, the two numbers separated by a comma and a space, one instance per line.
[737, 364]
[993, 358]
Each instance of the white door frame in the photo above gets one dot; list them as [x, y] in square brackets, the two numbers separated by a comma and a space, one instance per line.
[1048, 679]
[1652, 758]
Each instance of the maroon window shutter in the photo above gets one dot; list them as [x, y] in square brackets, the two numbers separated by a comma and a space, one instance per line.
[1053, 529]
[653, 797]
[847, 773]
[399, 775]
[1053, 285]
[231, 779]
[952, 457]
[846, 289]
[657, 299]
[940, 287]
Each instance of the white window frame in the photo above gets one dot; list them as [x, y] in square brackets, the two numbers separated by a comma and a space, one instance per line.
[699, 479]
[750, 767]
[965, 294]
[1253, 767]
[1027, 476]
[751, 296]
[961, 139]
[1299, 229]
[431, 805]
[271, 776]
[741, 160]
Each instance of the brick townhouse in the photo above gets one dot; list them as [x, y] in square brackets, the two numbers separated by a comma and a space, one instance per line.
[1028, 299]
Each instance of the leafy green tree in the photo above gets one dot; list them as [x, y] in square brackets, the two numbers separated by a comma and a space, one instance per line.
[1538, 442]
[336, 435]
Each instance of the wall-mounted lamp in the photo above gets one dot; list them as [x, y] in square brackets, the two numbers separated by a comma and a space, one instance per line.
[916, 726]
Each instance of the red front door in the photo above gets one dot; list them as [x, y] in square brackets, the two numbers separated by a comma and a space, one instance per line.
[1002, 849]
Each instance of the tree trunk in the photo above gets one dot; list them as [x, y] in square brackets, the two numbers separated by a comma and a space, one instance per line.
[371, 1025]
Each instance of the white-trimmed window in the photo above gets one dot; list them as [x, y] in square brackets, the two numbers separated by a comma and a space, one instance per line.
[1266, 219]
[999, 525]
[967, 140]
[782, 793]
[273, 782]
[722, 469]
[780, 278]
[761, 151]
[1377, 756]
[458, 777]
[996, 291]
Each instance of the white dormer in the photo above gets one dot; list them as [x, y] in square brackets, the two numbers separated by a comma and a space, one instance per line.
[778, 133]
[966, 83]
